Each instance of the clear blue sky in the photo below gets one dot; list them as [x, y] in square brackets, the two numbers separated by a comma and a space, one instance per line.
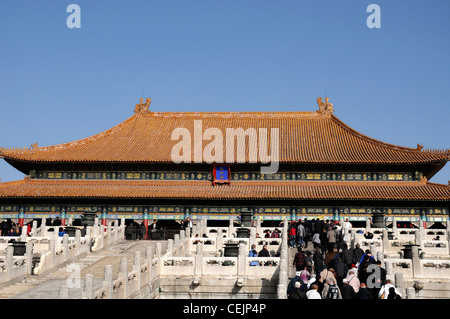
[59, 84]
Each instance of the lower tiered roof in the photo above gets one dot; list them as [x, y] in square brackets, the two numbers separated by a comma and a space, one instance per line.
[238, 190]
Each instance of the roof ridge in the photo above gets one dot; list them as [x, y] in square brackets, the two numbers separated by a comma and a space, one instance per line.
[242, 114]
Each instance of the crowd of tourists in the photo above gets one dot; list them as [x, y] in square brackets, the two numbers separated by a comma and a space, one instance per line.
[332, 270]
[10, 228]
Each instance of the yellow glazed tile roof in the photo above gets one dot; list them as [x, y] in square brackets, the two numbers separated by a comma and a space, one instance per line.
[271, 190]
[305, 137]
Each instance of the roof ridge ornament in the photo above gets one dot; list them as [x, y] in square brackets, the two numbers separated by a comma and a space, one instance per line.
[325, 107]
[142, 107]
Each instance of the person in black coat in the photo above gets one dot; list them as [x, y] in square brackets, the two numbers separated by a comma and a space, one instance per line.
[379, 282]
[323, 240]
[358, 253]
[319, 284]
[291, 285]
[4, 227]
[318, 226]
[347, 291]
[363, 293]
[264, 252]
[57, 222]
[318, 261]
[393, 294]
[347, 256]
[341, 271]
[297, 293]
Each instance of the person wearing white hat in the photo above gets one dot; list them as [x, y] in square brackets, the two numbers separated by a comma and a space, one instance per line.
[353, 279]
[291, 285]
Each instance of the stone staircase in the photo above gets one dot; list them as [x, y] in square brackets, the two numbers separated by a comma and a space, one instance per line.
[291, 255]
[47, 286]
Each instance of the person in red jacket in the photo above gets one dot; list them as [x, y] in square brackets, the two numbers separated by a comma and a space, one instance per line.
[292, 235]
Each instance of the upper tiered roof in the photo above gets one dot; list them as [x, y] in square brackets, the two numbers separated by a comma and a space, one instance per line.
[304, 137]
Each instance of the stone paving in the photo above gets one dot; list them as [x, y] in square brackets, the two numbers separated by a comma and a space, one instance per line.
[47, 286]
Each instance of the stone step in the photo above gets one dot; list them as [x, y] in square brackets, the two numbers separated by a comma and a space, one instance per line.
[291, 256]
[9, 291]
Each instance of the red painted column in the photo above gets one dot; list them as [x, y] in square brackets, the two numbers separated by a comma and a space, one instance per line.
[104, 219]
[21, 217]
[63, 217]
[146, 223]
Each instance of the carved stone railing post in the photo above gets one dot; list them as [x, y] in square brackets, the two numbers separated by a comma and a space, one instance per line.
[389, 270]
[137, 268]
[88, 286]
[170, 247]
[399, 283]
[89, 232]
[231, 228]
[29, 256]
[394, 227]
[182, 249]
[386, 247]
[77, 242]
[352, 238]
[258, 227]
[195, 227]
[108, 280]
[219, 243]
[199, 259]
[252, 239]
[63, 292]
[123, 272]
[34, 228]
[283, 272]
[109, 238]
[368, 226]
[158, 250]
[66, 246]
[418, 237]
[410, 293]
[23, 236]
[122, 228]
[149, 260]
[52, 248]
[241, 260]
[95, 229]
[9, 261]
[374, 250]
[176, 244]
[415, 261]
